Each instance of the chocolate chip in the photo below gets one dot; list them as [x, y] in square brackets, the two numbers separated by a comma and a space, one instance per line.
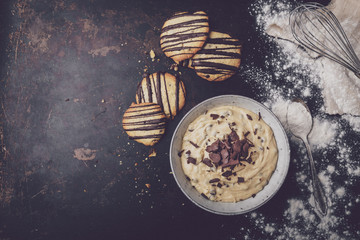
[219, 185]
[213, 192]
[259, 116]
[194, 144]
[227, 174]
[214, 180]
[241, 179]
[204, 196]
[180, 153]
[255, 132]
[187, 178]
[233, 123]
[214, 116]
[253, 195]
[207, 162]
[188, 152]
[191, 160]
[249, 117]
[246, 134]
[191, 130]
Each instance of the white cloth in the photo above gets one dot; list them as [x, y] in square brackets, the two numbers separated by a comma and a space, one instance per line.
[340, 86]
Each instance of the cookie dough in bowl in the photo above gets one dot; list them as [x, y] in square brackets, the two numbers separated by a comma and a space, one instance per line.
[229, 155]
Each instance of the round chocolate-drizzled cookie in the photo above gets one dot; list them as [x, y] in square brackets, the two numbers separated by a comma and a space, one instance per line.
[184, 34]
[144, 123]
[219, 59]
[164, 89]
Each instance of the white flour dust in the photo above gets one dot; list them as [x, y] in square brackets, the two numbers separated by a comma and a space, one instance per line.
[290, 74]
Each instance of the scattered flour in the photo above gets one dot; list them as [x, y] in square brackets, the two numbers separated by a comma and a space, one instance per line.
[290, 74]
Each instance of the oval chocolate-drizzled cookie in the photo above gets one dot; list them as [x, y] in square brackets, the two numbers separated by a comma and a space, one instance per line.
[144, 123]
[184, 34]
[164, 89]
[219, 59]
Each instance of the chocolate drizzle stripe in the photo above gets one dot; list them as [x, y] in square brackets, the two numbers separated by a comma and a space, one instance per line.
[149, 89]
[180, 48]
[153, 121]
[143, 110]
[184, 34]
[142, 106]
[188, 23]
[146, 136]
[159, 112]
[167, 96]
[158, 90]
[224, 41]
[147, 128]
[185, 14]
[177, 93]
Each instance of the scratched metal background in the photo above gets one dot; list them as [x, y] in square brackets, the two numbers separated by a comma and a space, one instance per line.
[69, 69]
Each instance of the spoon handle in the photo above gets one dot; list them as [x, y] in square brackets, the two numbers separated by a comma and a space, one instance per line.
[318, 191]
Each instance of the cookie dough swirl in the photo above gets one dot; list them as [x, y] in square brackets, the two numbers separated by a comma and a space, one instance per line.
[184, 34]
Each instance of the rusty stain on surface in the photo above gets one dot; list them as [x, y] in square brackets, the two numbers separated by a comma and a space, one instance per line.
[84, 154]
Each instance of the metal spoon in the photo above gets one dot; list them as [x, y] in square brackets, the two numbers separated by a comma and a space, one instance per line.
[303, 132]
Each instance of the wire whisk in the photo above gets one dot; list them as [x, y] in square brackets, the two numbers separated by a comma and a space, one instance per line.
[316, 28]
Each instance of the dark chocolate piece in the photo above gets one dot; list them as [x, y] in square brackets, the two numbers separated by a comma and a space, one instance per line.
[215, 157]
[194, 144]
[241, 179]
[213, 147]
[214, 116]
[233, 136]
[191, 160]
[180, 153]
[249, 117]
[204, 196]
[214, 180]
[227, 174]
[207, 162]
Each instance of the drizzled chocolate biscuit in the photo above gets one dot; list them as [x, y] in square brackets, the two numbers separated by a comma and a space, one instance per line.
[184, 34]
[219, 59]
[164, 89]
[144, 123]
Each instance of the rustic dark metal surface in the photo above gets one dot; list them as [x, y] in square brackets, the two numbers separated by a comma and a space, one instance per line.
[69, 70]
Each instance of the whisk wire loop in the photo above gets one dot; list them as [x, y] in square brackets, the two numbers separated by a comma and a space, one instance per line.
[316, 28]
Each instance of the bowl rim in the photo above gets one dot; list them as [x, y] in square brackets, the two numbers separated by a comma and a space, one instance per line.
[286, 147]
